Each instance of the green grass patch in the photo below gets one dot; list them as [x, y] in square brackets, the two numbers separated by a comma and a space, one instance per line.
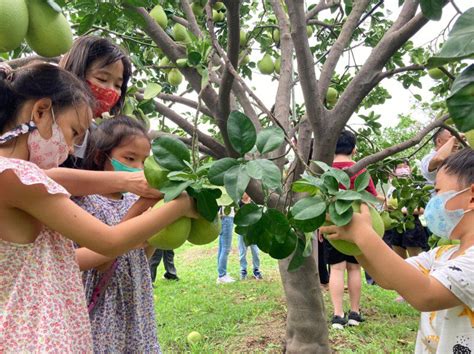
[249, 316]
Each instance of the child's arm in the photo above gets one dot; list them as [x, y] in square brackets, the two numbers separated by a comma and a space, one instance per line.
[82, 182]
[59, 213]
[88, 259]
[423, 292]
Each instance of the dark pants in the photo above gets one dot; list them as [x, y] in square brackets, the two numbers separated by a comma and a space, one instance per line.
[322, 262]
[168, 260]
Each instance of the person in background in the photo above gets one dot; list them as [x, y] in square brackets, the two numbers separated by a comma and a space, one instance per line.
[225, 244]
[257, 274]
[168, 262]
[339, 263]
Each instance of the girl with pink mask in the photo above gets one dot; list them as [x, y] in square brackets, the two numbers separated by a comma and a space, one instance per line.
[44, 112]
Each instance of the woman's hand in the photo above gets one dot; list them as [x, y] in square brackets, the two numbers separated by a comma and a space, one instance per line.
[189, 205]
[135, 182]
[360, 226]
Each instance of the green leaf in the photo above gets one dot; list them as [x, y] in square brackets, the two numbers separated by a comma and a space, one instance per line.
[151, 90]
[236, 180]
[269, 139]
[460, 43]
[342, 206]
[309, 225]
[331, 184]
[308, 208]
[171, 153]
[135, 17]
[302, 186]
[86, 23]
[432, 9]
[340, 219]
[248, 214]
[283, 249]
[219, 168]
[241, 132]
[269, 173]
[308, 248]
[322, 165]
[173, 189]
[368, 197]
[279, 224]
[461, 101]
[362, 181]
[341, 176]
[206, 203]
[348, 195]
[194, 58]
[298, 259]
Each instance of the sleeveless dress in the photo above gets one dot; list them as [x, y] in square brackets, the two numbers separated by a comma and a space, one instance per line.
[123, 319]
[42, 306]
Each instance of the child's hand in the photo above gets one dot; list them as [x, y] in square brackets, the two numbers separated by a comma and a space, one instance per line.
[189, 204]
[359, 226]
[135, 182]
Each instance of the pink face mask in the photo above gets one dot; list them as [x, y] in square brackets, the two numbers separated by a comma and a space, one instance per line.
[402, 171]
[48, 153]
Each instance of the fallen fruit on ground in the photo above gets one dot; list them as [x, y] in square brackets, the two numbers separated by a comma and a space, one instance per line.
[13, 24]
[194, 337]
[203, 232]
[172, 236]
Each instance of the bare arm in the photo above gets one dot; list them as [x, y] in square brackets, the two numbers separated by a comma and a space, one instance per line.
[88, 259]
[83, 182]
[442, 154]
[423, 292]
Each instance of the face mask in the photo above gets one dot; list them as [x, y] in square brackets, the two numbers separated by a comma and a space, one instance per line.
[120, 167]
[45, 153]
[440, 220]
[105, 98]
[403, 171]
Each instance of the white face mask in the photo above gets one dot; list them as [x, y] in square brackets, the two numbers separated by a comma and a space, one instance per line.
[46, 153]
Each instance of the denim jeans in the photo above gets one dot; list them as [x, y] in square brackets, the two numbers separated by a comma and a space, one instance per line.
[243, 256]
[225, 243]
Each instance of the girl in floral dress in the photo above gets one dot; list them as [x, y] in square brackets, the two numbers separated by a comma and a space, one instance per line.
[44, 111]
[118, 292]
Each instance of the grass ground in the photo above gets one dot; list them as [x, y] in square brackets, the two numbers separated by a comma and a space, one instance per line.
[249, 316]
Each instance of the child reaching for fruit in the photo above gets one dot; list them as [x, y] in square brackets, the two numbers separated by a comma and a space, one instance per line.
[44, 111]
[119, 292]
[439, 283]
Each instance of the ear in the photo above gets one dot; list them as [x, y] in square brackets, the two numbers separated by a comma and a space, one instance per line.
[471, 202]
[41, 115]
[354, 151]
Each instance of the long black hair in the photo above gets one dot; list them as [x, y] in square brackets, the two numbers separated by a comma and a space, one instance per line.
[109, 135]
[38, 81]
[88, 49]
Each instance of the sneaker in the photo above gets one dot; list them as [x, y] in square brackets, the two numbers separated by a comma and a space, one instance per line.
[354, 318]
[243, 275]
[338, 322]
[169, 276]
[225, 279]
[257, 274]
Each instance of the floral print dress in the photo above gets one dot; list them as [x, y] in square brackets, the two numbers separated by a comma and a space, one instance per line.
[42, 307]
[123, 320]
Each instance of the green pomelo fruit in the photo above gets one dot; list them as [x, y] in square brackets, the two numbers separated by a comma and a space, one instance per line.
[245, 60]
[159, 16]
[194, 337]
[470, 137]
[180, 33]
[49, 33]
[243, 38]
[217, 16]
[277, 65]
[350, 248]
[266, 65]
[182, 62]
[174, 77]
[13, 24]
[309, 31]
[155, 175]
[173, 235]
[198, 10]
[332, 95]
[219, 5]
[276, 35]
[393, 203]
[204, 232]
[435, 73]
[387, 220]
[165, 62]
[443, 242]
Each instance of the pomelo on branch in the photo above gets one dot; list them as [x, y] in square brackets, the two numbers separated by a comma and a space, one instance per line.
[173, 235]
[49, 33]
[266, 65]
[277, 65]
[243, 38]
[13, 24]
[217, 16]
[164, 62]
[219, 5]
[155, 175]
[350, 248]
[309, 31]
[331, 95]
[387, 220]
[174, 77]
[435, 73]
[245, 60]
[203, 232]
[276, 35]
[180, 33]
[159, 16]
[198, 10]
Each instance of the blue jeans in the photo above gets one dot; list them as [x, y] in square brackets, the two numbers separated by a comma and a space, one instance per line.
[225, 243]
[243, 256]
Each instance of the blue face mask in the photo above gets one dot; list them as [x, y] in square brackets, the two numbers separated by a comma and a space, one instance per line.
[120, 167]
[440, 220]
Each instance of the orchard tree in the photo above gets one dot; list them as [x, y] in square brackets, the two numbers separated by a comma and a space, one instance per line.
[210, 45]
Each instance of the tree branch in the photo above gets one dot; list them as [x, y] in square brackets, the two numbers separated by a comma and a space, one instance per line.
[322, 5]
[244, 101]
[341, 43]
[382, 75]
[321, 23]
[455, 133]
[184, 101]
[366, 161]
[17, 63]
[180, 20]
[192, 23]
